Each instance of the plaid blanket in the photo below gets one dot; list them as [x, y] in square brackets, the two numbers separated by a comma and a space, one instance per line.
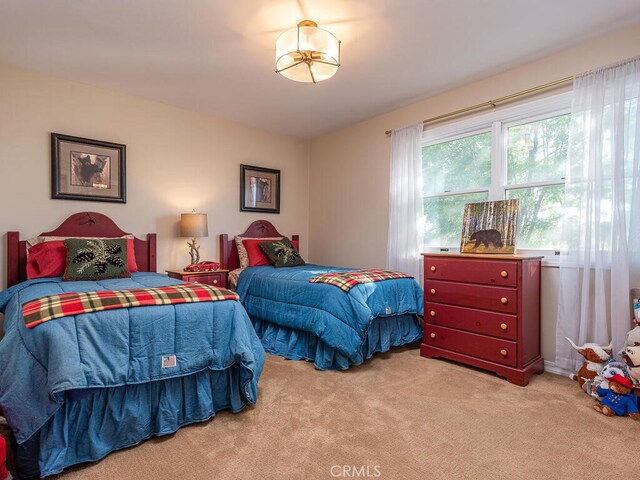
[347, 280]
[48, 308]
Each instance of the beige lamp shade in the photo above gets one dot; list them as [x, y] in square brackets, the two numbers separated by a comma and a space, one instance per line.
[194, 225]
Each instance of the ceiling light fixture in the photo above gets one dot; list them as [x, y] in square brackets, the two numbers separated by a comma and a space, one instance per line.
[307, 53]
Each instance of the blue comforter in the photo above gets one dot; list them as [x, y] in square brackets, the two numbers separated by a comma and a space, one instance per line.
[285, 297]
[114, 348]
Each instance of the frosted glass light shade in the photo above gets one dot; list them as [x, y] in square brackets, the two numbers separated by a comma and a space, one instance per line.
[307, 53]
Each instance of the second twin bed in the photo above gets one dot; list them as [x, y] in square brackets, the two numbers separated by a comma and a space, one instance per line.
[298, 319]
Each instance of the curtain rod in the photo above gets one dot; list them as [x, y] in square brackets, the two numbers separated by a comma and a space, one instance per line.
[493, 103]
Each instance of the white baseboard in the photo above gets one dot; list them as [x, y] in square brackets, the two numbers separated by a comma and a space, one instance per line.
[553, 368]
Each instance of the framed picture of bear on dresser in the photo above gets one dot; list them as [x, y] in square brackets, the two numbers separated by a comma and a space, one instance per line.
[490, 227]
[87, 169]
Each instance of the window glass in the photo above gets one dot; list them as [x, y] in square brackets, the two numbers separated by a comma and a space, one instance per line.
[461, 164]
[539, 216]
[537, 151]
[443, 218]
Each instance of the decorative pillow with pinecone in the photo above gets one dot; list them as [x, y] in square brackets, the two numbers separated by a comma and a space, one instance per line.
[282, 253]
[96, 259]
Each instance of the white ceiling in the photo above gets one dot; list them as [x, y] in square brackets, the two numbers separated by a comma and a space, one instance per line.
[217, 56]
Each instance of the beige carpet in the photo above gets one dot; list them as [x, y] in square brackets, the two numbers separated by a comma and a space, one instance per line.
[403, 416]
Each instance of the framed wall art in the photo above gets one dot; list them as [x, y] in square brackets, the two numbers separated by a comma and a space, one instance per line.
[86, 169]
[490, 227]
[259, 189]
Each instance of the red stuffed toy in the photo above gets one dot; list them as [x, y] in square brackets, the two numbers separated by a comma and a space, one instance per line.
[4, 473]
[617, 399]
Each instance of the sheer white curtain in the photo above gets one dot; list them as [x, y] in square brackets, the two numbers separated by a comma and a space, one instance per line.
[405, 201]
[601, 228]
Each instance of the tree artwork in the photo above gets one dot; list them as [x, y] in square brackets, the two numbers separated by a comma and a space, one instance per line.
[490, 227]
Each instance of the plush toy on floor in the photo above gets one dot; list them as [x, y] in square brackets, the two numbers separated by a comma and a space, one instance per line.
[610, 369]
[618, 399]
[4, 473]
[631, 356]
[595, 357]
[633, 336]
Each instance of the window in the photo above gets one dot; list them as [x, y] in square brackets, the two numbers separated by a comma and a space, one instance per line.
[455, 172]
[516, 153]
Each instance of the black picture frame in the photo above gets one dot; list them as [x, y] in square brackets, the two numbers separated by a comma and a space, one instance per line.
[259, 189]
[87, 169]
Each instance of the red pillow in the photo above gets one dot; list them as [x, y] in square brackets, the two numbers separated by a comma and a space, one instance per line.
[256, 257]
[49, 259]
[132, 265]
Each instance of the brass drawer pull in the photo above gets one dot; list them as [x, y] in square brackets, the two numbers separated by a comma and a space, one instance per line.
[504, 274]
[215, 282]
[504, 326]
[433, 268]
[504, 300]
[503, 353]
[432, 313]
[433, 291]
[433, 335]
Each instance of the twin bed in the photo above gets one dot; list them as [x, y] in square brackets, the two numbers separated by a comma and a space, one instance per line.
[78, 387]
[317, 322]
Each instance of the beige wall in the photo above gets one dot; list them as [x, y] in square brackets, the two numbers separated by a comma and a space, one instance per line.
[176, 161]
[350, 168]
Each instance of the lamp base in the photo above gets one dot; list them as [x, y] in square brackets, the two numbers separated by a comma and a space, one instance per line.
[194, 251]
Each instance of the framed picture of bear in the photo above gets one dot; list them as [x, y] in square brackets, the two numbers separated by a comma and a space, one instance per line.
[490, 227]
[87, 169]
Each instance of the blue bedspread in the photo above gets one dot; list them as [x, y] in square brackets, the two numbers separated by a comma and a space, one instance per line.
[114, 348]
[285, 297]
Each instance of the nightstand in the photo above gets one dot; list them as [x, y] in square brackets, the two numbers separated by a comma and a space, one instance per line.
[216, 278]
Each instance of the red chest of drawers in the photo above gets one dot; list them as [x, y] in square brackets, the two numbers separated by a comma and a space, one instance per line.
[484, 310]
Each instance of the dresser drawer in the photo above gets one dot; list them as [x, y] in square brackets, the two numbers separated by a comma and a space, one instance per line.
[471, 295]
[479, 321]
[487, 348]
[215, 279]
[487, 272]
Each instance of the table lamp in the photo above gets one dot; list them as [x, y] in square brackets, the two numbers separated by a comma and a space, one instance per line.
[194, 225]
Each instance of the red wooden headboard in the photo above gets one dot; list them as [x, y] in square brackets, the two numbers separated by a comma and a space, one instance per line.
[83, 224]
[258, 229]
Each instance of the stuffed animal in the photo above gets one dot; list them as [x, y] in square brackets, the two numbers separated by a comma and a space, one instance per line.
[633, 336]
[631, 356]
[4, 473]
[595, 357]
[610, 369]
[618, 399]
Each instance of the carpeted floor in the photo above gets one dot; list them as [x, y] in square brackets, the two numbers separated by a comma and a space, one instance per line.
[400, 415]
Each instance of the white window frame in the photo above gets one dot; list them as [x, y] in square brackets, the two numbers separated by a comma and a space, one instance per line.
[498, 122]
